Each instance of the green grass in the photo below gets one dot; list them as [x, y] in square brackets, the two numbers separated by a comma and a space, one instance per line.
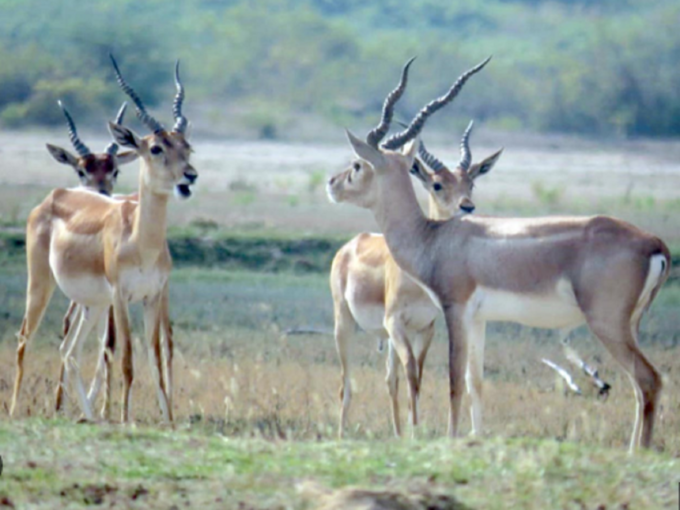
[50, 463]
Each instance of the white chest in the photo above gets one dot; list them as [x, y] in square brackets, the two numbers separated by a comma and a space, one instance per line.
[138, 284]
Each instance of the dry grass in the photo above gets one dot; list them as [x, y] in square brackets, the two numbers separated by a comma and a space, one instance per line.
[259, 384]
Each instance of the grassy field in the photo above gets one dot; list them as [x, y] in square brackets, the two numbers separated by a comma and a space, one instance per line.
[52, 463]
[257, 406]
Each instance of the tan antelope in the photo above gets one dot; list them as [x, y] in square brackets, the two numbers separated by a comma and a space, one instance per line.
[370, 291]
[104, 252]
[98, 173]
[551, 272]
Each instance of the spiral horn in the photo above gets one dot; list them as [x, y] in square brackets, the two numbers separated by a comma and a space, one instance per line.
[112, 148]
[78, 145]
[418, 122]
[375, 136]
[143, 115]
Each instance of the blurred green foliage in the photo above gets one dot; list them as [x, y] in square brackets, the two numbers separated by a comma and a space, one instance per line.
[597, 67]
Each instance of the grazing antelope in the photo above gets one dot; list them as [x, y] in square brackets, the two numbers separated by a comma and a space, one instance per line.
[98, 173]
[370, 291]
[551, 272]
[104, 252]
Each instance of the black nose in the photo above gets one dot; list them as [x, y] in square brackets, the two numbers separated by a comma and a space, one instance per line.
[104, 192]
[191, 177]
[331, 180]
[467, 208]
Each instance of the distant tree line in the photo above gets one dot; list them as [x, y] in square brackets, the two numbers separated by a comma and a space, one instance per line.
[607, 67]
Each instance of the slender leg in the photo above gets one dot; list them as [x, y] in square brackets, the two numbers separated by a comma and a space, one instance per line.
[573, 356]
[420, 348]
[152, 313]
[101, 371]
[400, 343]
[89, 319]
[39, 292]
[619, 336]
[455, 324]
[392, 380]
[166, 330]
[71, 322]
[474, 376]
[108, 363]
[122, 321]
[344, 326]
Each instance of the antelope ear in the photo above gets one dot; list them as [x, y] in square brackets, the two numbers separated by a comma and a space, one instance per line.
[419, 172]
[366, 152]
[411, 149]
[485, 165]
[123, 136]
[126, 157]
[62, 155]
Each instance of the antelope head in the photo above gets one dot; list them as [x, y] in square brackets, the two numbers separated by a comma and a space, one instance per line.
[450, 191]
[165, 154]
[358, 184]
[97, 172]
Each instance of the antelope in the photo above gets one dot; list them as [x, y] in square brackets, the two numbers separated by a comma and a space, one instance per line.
[370, 290]
[550, 272]
[98, 173]
[103, 252]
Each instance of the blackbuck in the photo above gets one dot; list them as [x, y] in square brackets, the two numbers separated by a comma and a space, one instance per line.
[104, 252]
[550, 272]
[370, 290]
[97, 172]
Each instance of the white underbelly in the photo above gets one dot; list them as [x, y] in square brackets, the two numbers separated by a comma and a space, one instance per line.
[86, 290]
[419, 314]
[368, 317]
[553, 310]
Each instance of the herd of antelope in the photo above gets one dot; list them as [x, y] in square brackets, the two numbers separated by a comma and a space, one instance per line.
[106, 251]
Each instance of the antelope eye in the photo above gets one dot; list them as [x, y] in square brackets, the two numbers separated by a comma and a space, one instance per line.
[357, 167]
[156, 150]
[437, 186]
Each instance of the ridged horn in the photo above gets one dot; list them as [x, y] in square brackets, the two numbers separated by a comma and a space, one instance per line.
[112, 148]
[418, 122]
[375, 136]
[429, 159]
[78, 145]
[143, 115]
[465, 154]
[180, 121]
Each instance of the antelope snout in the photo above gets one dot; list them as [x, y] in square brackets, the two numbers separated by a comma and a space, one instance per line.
[190, 175]
[466, 205]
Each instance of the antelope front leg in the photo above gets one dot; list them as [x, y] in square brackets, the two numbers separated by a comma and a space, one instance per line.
[122, 326]
[392, 380]
[89, 319]
[152, 314]
[166, 330]
[474, 376]
[458, 344]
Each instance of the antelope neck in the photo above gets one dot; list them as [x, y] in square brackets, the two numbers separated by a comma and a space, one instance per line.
[150, 219]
